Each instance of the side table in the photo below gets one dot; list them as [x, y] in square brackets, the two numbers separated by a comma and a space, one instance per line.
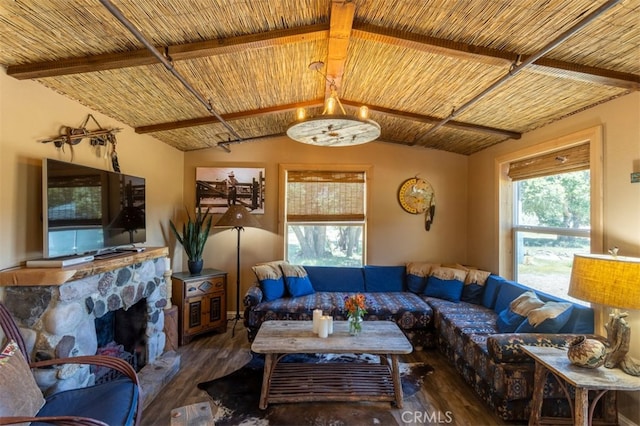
[201, 302]
[600, 380]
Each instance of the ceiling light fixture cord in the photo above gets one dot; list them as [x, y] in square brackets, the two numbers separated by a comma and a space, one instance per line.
[530, 60]
[332, 86]
[138, 35]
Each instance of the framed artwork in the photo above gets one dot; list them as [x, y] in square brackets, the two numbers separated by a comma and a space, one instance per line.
[219, 187]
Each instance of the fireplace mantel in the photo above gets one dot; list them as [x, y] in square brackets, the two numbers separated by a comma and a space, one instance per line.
[22, 276]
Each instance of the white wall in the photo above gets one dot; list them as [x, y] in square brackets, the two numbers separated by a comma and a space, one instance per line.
[620, 119]
[30, 112]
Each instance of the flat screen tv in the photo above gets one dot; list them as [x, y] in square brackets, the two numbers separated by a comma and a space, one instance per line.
[88, 210]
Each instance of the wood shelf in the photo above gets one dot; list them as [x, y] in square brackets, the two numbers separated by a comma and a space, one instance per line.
[304, 382]
[23, 276]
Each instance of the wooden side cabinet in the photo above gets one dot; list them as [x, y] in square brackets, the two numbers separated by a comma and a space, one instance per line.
[201, 301]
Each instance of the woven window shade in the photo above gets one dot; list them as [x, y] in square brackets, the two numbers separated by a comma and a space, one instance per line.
[563, 161]
[325, 196]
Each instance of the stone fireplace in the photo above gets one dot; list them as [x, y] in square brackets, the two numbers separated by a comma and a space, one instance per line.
[60, 320]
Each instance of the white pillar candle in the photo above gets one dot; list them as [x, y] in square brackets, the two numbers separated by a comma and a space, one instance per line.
[329, 323]
[323, 327]
[317, 313]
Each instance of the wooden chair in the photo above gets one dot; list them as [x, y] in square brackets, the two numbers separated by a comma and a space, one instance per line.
[83, 414]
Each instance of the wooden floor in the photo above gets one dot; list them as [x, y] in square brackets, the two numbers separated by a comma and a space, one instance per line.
[445, 397]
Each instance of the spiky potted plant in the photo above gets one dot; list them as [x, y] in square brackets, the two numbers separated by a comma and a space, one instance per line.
[195, 233]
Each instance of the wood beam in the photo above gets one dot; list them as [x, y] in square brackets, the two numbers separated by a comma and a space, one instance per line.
[494, 57]
[142, 57]
[201, 121]
[433, 120]
[343, 27]
[340, 25]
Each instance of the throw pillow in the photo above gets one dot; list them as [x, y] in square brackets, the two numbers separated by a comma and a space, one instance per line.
[417, 274]
[296, 280]
[473, 289]
[383, 278]
[510, 318]
[549, 318]
[271, 280]
[445, 283]
[20, 393]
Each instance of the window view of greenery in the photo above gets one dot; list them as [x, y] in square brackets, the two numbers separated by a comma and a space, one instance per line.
[74, 203]
[552, 224]
[327, 245]
[75, 218]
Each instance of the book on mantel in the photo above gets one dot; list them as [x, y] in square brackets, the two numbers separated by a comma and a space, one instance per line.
[59, 262]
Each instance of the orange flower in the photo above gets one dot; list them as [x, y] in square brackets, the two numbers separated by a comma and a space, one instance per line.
[356, 304]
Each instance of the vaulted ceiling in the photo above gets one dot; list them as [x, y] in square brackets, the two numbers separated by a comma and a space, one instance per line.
[454, 75]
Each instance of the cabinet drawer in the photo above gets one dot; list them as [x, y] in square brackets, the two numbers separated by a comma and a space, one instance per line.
[200, 287]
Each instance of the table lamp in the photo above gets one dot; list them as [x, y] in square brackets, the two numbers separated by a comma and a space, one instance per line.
[612, 281]
[237, 217]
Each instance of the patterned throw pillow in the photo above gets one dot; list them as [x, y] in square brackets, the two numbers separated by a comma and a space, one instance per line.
[20, 393]
[445, 283]
[417, 274]
[549, 318]
[270, 279]
[296, 280]
[473, 289]
[510, 318]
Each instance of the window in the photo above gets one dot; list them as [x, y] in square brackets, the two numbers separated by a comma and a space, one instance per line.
[325, 215]
[550, 198]
[551, 224]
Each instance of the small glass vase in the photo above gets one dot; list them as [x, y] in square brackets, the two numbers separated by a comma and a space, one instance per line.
[355, 324]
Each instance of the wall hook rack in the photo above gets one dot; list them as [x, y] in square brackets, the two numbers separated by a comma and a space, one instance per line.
[74, 135]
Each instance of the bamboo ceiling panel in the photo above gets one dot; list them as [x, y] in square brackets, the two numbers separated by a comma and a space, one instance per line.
[258, 78]
[210, 135]
[535, 98]
[519, 26]
[135, 96]
[413, 81]
[412, 62]
[461, 142]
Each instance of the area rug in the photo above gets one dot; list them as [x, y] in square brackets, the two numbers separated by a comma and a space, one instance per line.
[237, 395]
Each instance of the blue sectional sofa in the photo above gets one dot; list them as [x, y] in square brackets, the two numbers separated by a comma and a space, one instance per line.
[466, 321]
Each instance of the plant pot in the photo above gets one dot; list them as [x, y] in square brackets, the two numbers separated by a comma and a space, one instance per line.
[195, 266]
[588, 353]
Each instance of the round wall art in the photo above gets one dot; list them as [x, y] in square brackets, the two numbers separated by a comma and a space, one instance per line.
[416, 196]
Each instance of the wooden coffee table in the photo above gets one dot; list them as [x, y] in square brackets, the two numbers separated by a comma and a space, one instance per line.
[302, 382]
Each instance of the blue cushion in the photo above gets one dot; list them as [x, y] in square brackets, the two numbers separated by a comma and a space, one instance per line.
[472, 293]
[509, 291]
[491, 289]
[474, 286]
[549, 318]
[299, 286]
[511, 317]
[113, 402]
[416, 276]
[444, 289]
[416, 284]
[330, 278]
[508, 321]
[271, 281]
[296, 280]
[383, 278]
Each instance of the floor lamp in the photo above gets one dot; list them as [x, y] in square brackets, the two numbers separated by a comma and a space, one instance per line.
[238, 218]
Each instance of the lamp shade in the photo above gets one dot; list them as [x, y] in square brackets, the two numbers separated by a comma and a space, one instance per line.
[606, 280]
[237, 216]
